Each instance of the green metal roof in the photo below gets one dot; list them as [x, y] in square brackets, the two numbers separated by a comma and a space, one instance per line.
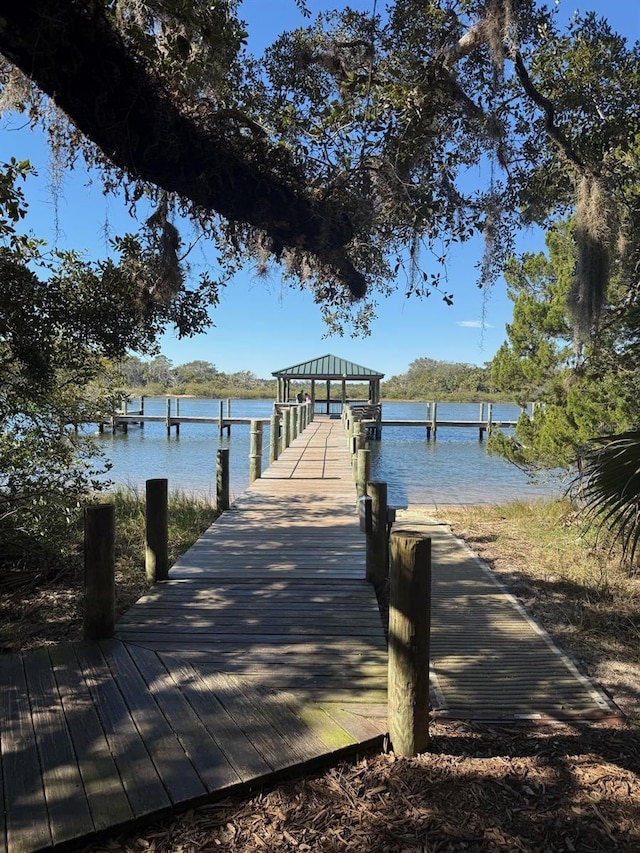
[327, 367]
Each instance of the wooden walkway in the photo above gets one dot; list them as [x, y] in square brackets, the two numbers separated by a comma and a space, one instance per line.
[262, 653]
[489, 659]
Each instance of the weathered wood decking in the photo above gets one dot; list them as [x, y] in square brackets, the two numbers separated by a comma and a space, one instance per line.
[263, 652]
[489, 659]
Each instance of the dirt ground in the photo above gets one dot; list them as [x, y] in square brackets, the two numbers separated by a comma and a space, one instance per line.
[479, 790]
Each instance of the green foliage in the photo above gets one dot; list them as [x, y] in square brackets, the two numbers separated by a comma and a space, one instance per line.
[608, 488]
[62, 321]
[429, 379]
[45, 471]
[580, 392]
[426, 379]
[198, 378]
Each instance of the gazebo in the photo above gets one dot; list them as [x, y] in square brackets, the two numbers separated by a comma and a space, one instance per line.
[327, 368]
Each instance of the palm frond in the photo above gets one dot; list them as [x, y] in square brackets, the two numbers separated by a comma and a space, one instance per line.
[608, 487]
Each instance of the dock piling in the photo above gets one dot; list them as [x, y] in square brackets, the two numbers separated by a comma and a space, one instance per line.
[274, 437]
[99, 572]
[156, 558]
[222, 479]
[286, 428]
[409, 627]
[363, 471]
[377, 545]
[255, 451]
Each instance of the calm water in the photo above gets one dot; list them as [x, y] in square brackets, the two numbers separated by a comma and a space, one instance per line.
[454, 469]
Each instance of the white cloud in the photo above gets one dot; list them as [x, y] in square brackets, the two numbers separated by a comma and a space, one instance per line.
[474, 324]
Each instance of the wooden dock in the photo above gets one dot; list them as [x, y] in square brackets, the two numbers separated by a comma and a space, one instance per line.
[264, 652]
[372, 419]
[490, 660]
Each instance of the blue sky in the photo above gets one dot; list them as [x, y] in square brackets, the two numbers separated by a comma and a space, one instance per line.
[262, 325]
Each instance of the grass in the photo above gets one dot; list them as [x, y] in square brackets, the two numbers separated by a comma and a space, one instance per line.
[188, 518]
[42, 612]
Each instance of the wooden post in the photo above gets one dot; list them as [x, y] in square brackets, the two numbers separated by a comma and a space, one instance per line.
[220, 419]
[178, 416]
[168, 418]
[142, 411]
[363, 471]
[481, 421]
[348, 425]
[377, 549]
[274, 437]
[156, 556]
[409, 626]
[255, 451]
[99, 572]
[286, 427]
[434, 419]
[222, 479]
[357, 443]
[489, 417]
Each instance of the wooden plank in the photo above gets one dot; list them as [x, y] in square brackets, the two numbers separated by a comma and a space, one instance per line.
[239, 750]
[178, 774]
[25, 810]
[250, 607]
[278, 751]
[364, 722]
[215, 639]
[273, 658]
[144, 788]
[203, 751]
[282, 711]
[227, 628]
[268, 573]
[69, 814]
[361, 624]
[199, 590]
[335, 687]
[103, 787]
[331, 733]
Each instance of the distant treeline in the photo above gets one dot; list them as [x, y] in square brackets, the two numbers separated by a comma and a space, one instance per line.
[426, 379]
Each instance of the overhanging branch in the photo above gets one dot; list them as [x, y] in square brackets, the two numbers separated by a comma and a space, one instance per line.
[72, 53]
